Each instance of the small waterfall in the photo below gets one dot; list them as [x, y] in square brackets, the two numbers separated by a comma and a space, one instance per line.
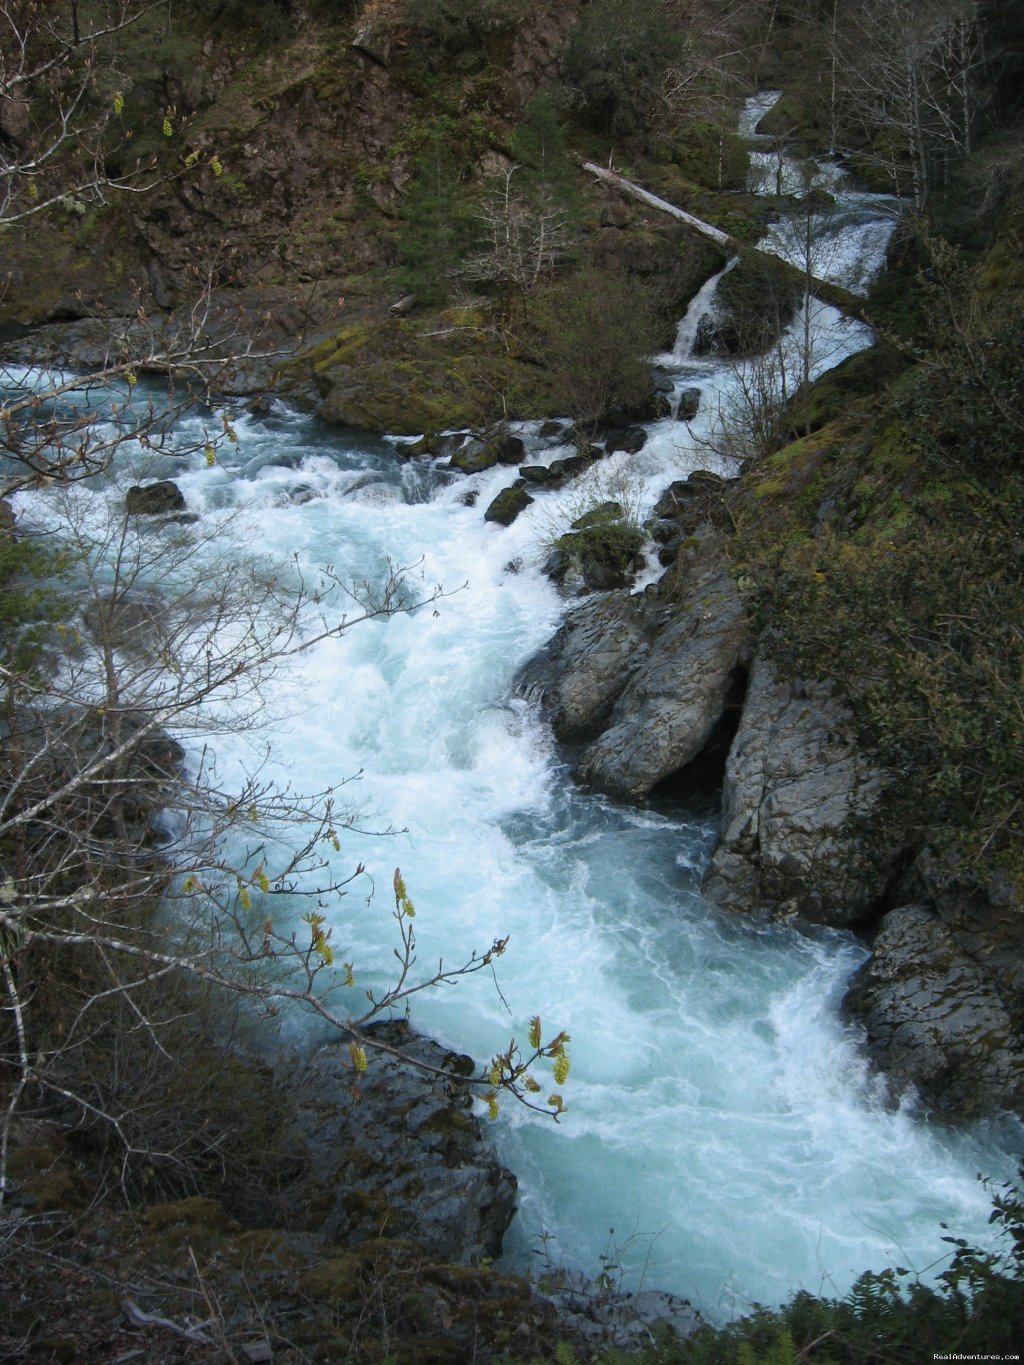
[702, 306]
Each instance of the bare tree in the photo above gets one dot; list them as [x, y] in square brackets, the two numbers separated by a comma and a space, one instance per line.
[525, 238]
[908, 89]
[61, 133]
[60, 106]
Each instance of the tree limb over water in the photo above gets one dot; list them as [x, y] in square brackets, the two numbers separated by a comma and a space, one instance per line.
[825, 290]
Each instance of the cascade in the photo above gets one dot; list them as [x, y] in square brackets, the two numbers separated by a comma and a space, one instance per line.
[721, 1120]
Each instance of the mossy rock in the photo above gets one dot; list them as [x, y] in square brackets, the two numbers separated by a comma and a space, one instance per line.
[508, 505]
[405, 377]
[781, 496]
[196, 1212]
[859, 376]
[336, 1282]
[798, 117]
[45, 1180]
[755, 302]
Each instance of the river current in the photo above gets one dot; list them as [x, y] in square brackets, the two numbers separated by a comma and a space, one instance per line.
[724, 1139]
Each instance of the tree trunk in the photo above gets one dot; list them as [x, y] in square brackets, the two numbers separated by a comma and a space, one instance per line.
[828, 292]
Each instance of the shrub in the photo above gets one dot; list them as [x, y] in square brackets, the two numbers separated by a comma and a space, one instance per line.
[593, 333]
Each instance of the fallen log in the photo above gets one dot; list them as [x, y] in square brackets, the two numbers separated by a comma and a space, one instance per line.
[825, 290]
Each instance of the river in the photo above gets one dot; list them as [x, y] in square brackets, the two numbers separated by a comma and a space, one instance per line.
[724, 1139]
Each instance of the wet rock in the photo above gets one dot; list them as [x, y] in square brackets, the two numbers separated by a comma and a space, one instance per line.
[509, 448]
[936, 1021]
[573, 465]
[688, 406]
[507, 505]
[400, 1154]
[554, 432]
[497, 446]
[687, 504]
[797, 788]
[154, 499]
[556, 566]
[754, 303]
[583, 669]
[473, 457]
[671, 705]
[431, 443]
[535, 473]
[629, 441]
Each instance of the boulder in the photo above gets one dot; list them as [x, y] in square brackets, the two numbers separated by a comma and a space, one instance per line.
[584, 667]
[629, 441]
[473, 457]
[154, 499]
[509, 448]
[754, 304]
[797, 788]
[536, 473]
[605, 546]
[670, 706]
[936, 1021]
[688, 405]
[497, 446]
[397, 1153]
[507, 505]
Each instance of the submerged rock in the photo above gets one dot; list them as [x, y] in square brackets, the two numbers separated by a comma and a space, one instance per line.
[796, 788]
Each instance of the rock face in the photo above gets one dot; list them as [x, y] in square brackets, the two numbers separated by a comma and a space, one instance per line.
[406, 1156]
[795, 786]
[942, 997]
[584, 668]
[937, 1020]
[650, 677]
[667, 710]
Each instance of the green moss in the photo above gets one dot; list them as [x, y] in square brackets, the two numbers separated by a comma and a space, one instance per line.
[336, 1282]
[197, 1212]
[372, 1205]
[712, 156]
[450, 1120]
[47, 1179]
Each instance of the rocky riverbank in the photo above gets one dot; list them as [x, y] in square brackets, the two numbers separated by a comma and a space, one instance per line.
[642, 686]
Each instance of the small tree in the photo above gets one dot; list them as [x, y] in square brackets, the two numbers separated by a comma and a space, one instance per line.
[594, 333]
[525, 240]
